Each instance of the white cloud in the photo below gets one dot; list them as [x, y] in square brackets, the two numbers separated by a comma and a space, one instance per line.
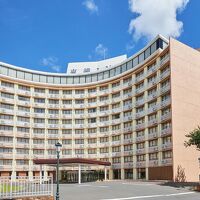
[101, 51]
[91, 6]
[130, 46]
[156, 17]
[51, 62]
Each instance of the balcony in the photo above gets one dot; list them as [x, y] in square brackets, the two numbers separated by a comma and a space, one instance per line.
[67, 116]
[165, 74]
[141, 164]
[128, 95]
[7, 144]
[7, 89]
[128, 84]
[40, 105]
[167, 161]
[152, 135]
[53, 105]
[116, 154]
[116, 121]
[103, 92]
[116, 165]
[116, 132]
[39, 115]
[140, 102]
[116, 143]
[22, 134]
[116, 110]
[152, 83]
[128, 165]
[140, 78]
[22, 113]
[93, 104]
[39, 146]
[127, 118]
[139, 90]
[22, 156]
[152, 70]
[53, 126]
[128, 141]
[164, 89]
[140, 151]
[104, 155]
[53, 116]
[92, 156]
[152, 122]
[140, 126]
[93, 145]
[53, 136]
[166, 116]
[41, 95]
[106, 133]
[6, 155]
[6, 122]
[152, 109]
[79, 96]
[128, 130]
[152, 96]
[24, 103]
[167, 146]
[24, 92]
[127, 107]
[39, 156]
[104, 144]
[67, 126]
[7, 111]
[164, 59]
[23, 124]
[22, 145]
[153, 163]
[166, 131]
[6, 133]
[128, 153]
[7, 100]
[140, 138]
[39, 125]
[140, 114]
[153, 149]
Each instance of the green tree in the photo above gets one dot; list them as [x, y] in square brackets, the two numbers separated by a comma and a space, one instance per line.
[193, 138]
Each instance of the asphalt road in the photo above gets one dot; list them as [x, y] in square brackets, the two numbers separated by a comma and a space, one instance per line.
[118, 190]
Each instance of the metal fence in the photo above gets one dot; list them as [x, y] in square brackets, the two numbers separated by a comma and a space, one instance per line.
[25, 187]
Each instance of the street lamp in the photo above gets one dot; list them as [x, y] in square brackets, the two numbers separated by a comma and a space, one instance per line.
[58, 147]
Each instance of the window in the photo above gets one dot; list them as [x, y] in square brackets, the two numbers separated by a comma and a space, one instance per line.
[167, 154]
[39, 100]
[153, 156]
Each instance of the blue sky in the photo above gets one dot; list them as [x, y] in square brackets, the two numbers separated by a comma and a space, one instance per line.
[47, 34]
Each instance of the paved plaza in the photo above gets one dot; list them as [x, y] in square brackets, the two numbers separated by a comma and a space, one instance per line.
[118, 190]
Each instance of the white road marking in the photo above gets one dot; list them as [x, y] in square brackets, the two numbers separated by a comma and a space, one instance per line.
[151, 196]
[138, 184]
[84, 185]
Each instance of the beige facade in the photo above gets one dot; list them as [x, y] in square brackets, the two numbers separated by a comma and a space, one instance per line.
[134, 115]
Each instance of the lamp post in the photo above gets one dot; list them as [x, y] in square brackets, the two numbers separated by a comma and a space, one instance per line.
[58, 147]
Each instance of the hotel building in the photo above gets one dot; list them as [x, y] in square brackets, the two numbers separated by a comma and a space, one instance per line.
[133, 112]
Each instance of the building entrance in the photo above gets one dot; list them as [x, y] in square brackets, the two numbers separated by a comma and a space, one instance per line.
[86, 176]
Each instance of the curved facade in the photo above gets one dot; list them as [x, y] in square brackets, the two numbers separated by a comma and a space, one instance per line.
[122, 115]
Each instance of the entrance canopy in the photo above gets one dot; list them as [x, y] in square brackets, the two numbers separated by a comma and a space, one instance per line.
[72, 161]
[69, 161]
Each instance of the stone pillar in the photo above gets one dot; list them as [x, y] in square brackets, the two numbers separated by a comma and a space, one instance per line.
[40, 174]
[134, 174]
[105, 174]
[122, 174]
[79, 174]
[110, 174]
